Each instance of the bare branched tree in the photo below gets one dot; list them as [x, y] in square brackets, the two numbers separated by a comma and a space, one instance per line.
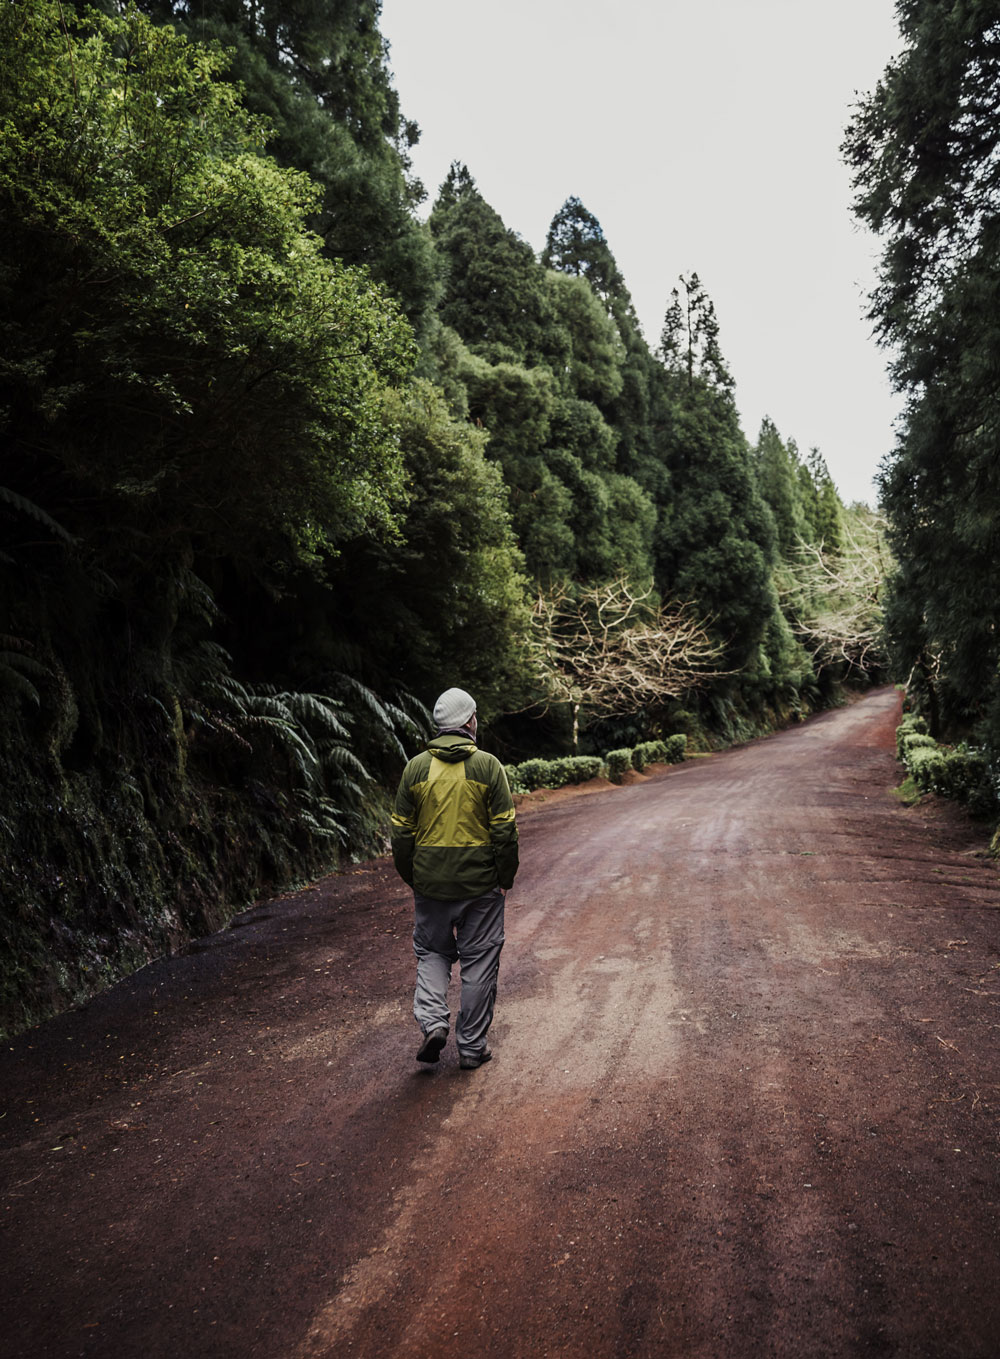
[833, 598]
[613, 649]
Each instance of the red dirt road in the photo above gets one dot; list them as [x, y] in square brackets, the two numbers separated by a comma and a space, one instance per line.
[744, 1100]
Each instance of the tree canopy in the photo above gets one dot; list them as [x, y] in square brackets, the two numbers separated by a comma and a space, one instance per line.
[173, 338]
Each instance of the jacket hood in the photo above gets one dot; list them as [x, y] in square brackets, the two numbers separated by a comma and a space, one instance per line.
[452, 747]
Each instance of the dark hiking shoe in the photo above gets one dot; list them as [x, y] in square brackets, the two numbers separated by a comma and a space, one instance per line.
[430, 1048]
[470, 1060]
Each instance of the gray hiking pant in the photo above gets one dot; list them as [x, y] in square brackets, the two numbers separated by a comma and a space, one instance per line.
[469, 932]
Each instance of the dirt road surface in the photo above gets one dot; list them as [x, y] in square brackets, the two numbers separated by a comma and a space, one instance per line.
[744, 1100]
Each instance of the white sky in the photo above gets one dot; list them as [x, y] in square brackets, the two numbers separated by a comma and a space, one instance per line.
[704, 136]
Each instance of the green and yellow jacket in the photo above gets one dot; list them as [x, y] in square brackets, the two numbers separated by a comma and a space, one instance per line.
[453, 828]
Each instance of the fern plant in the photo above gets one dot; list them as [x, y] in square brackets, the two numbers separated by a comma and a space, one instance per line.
[315, 736]
[18, 668]
[23, 506]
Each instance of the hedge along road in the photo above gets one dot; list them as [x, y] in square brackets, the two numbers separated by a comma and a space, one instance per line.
[744, 1099]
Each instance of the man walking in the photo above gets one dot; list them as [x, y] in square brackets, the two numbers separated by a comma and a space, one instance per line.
[454, 840]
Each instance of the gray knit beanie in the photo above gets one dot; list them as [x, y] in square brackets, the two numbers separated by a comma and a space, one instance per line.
[453, 709]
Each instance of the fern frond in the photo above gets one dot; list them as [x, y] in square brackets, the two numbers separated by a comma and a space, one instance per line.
[348, 785]
[33, 511]
[321, 816]
[230, 689]
[339, 757]
[218, 726]
[318, 709]
[26, 665]
[301, 753]
[199, 596]
[394, 744]
[370, 699]
[15, 681]
[399, 717]
[16, 665]
[261, 705]
[154, 702]
[335, 832]
[219, 656]
[19, 644]
[417, 713]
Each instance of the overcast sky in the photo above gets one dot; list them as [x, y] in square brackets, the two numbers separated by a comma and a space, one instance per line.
[704, 136]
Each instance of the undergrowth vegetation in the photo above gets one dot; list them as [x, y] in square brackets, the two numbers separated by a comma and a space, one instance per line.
[962, 772]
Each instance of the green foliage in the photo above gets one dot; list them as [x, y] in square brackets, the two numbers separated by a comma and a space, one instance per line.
[301, 740]
[967, 779]
[594, 349]
[648, 752]
[544, 361]
[821, 504]
[777, 466]
[317, 73]
[962, 772]
[576, 246]
[676, 747]
[556, 773]
[717, 546]
[495, 295]
[618, 763]
[912, 721]
[189, 391]
[927, 765]
[173, 340]
[582, 768]
[19, 669]
[533, 774]
[668, 751]
[450, 598]
[911, 725]
[907, 740]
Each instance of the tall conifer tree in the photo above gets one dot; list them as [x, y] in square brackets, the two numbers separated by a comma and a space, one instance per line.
[546, 364]
[576, 245]
[776, 465]
[717, 547]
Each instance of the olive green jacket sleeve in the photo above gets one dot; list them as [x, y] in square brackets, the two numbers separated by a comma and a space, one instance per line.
[404, 828]
[503, 827]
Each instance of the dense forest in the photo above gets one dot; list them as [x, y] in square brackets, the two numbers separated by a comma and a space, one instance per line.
[282, 457]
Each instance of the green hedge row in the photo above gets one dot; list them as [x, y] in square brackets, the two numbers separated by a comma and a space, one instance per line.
[532, 774]
[670, 751]
[957, 772]
[618, 761]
